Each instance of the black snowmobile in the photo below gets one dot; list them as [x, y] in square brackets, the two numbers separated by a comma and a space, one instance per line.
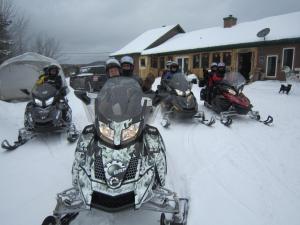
[228, 100]
[179, 100]
[120, 161]
[45, 113]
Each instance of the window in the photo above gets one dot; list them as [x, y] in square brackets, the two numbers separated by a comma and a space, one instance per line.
[271, 65]
[216, 57]
[288, 57]
[227, 58]
[143, 62]
[196, 61]
[162, 62]
[153, 61]
[205, 60]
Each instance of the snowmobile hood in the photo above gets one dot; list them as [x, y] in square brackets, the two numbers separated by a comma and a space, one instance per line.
[119, 111]
[119, 99]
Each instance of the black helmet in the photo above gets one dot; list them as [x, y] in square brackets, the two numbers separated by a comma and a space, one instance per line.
[53, 67]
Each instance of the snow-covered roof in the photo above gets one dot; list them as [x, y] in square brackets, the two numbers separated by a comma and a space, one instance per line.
[144, 40]
[281, 27]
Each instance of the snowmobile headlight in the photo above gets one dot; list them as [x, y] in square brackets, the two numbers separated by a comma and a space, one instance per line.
[187, 92]
[230, 91]
[49, 101]
[178, 92]
[106, 131]
[130, 132]
[38, 102]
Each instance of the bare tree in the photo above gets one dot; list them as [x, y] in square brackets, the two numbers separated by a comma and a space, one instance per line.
[6, 12]
[47, 46]
[19, 35]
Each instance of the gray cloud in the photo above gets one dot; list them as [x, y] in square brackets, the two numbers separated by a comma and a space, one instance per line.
[107, 25]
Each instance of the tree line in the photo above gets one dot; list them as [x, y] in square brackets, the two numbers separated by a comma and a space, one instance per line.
[14, 36]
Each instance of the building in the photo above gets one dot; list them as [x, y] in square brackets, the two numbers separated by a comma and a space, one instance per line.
[258, 49]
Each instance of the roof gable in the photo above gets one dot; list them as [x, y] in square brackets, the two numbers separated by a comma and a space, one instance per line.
[150, 38]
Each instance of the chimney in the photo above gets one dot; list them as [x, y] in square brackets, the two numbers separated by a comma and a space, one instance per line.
[229, 21]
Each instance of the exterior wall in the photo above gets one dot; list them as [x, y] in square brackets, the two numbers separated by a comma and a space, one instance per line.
[258, 61]
[277, 50]
[199, 70]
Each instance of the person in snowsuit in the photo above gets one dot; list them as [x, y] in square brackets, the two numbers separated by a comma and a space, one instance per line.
[215, 76]
[221, 69]
[51, 76]
[127, 66]
[172, 69]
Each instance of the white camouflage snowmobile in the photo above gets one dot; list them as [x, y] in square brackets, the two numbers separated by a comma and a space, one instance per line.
[45, 113]
[120, 161]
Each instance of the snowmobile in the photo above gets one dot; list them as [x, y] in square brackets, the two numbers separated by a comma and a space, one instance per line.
[228, 100]
[44, 113]
[120, 161]
[178, 100]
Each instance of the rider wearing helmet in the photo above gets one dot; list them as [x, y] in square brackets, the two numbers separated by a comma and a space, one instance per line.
[173, 68]
[51, 76]
[113, 68]
[127, 66]
[221, 69]
[214, 78]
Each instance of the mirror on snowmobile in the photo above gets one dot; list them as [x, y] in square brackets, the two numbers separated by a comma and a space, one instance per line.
[147, 100]
[194, 81]
[82, 95]
[92, 95]
[25, 91]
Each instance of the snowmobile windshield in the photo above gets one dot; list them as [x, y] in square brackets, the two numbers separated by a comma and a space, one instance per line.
[179, 82]
[43, 91]
[120, 99]
[234, 79]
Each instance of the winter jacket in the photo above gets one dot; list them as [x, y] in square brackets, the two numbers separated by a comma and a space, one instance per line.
[214, 78]
[55, 81]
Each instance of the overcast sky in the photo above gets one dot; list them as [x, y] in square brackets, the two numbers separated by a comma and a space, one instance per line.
[96, 26]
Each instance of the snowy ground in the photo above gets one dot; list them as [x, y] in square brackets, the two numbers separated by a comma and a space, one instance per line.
[248, 174]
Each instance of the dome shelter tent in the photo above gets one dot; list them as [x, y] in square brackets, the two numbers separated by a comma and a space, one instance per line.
[21, 72]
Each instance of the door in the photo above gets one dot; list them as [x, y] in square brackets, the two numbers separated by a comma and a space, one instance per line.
[183, 63]
[271, 65]
[245, 64]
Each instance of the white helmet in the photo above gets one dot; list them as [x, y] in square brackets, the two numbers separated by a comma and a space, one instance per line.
[112, 62]
[221, 64]
[214, 64]
[127, 59]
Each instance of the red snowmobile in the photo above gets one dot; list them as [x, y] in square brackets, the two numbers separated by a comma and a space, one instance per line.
[228, 100]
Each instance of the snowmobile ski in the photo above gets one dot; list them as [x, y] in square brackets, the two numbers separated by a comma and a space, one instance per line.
[255, 115]
[201, 118]
[23, 137]
[65, 220]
